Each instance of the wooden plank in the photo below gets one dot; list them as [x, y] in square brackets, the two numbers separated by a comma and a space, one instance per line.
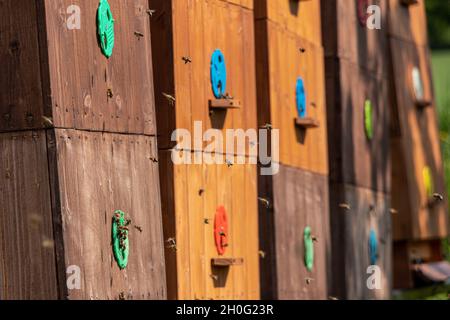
[297, 17]
[354, 212]
[300, 199]
[20, 80]
[281, 63]
[408, 23]
[90, 91]
[346, 38]
[198, 191]
[27, 247]
[196, 29]
[420, 147]
[98, 174]
[355, 159]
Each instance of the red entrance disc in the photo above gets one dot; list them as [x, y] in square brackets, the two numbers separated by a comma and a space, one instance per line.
[362, 12]
[221, 230]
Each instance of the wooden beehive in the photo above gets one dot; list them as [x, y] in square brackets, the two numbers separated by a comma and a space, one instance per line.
[289, 47]
[358, 137]
[185, 34]
[78, 136]
[422, 207]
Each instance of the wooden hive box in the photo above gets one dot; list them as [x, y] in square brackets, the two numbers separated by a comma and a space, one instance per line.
[185, 36]
[78, 136]
[289, 48]
[422, 206]
[358, 137]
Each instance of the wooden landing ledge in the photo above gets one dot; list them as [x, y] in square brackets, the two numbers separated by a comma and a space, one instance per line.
[224, 104]
[422, 104]
[227, 262]
[306, 123]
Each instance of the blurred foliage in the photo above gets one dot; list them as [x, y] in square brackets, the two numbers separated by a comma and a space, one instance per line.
[438, 23]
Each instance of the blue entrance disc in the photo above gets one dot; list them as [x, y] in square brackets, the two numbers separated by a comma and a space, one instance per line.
[300, 95]
[373, 247]
[218, 74]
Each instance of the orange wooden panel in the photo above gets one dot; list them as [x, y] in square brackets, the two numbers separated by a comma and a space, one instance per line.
[197, 191]
[301, 18]
[408, 23]
[354, 213]
[420, 146]
[283, 57]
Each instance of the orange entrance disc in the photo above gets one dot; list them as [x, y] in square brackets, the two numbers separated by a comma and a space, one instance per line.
[221, 230]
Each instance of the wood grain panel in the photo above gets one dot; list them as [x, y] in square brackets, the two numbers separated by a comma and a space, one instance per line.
[298, 199]
[298, 17]
[354, 159]
[21, 100]
[192, 198]
[408, 23]
[280, 63]
[194, 29]
[98, 174]
[420, 146]
[346, 38]
[81, 76]
[27, 247]
[354, 212]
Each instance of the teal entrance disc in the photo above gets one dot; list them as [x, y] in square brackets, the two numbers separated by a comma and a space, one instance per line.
[120, 240]
[105, 28]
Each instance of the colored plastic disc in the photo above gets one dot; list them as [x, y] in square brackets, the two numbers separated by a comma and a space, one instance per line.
[368, 120]
[300, 95]
[428, 181]
[221, 230]
[309, 249]
[218, 74]
[362, 12]
[417, 84]
[120, 241]
[373, 247]
[105, 28]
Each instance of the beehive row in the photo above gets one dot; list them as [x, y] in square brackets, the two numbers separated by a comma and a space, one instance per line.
[90, 177]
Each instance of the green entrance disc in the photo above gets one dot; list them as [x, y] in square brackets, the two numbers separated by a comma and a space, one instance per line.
[105, 28]
[368, 120]
[428, 181]
[120, 241]
[309, 249]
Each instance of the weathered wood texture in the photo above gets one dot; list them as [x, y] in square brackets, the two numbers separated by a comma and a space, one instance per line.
[80, 76]
[408, 23]
[107, 173]
[298, 199]
[354, 159]
[27, 255]
[194, 30]
[191, 196]
[354, 212]
[280, 63]
[346, 38]
[418, 146]
[289, 46]
[21, 98]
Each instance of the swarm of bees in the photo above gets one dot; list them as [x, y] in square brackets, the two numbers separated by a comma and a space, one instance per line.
[123, 230]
